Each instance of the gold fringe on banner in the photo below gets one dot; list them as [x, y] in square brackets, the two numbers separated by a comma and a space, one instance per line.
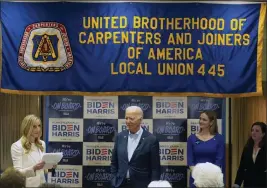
[167, 94]
[260, 47]
[1, 54]
[259, 90]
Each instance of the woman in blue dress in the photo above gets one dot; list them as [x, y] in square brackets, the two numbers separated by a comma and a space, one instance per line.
[207, 145]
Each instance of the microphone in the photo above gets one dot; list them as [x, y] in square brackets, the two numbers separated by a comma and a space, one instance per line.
[53, 172]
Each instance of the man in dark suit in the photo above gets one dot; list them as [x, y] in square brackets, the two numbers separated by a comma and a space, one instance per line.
[135, 159]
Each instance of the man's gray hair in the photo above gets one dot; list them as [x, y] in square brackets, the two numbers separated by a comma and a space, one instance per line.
[162, 184]
[135, 109]
[207, 175]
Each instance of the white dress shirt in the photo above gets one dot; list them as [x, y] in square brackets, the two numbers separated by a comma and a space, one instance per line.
[254, 154]
[133, 140]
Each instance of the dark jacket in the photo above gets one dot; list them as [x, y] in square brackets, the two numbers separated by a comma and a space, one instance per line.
[252, 174]
[144, 165]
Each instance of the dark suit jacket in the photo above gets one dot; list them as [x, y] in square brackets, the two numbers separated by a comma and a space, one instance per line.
[253, 174]
[144, 165]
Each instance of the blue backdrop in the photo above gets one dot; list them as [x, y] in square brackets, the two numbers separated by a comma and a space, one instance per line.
[84, 128]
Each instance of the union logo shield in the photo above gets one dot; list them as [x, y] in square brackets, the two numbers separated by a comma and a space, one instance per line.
[45, 47]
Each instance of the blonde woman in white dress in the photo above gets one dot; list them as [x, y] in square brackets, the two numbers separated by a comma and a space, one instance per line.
[27, 152]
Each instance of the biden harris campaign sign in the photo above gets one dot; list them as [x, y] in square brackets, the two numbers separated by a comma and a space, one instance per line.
[84, 129]
[68, 106]
[128, 48]
[67, 176]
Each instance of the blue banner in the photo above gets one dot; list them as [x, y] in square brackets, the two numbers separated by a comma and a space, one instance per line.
[189, 49]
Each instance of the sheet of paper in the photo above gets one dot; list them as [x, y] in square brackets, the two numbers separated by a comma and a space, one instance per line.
[51, 159]
[48, 166]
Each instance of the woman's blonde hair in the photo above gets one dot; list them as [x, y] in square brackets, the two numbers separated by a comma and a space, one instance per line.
[212, 117]
[26, 130]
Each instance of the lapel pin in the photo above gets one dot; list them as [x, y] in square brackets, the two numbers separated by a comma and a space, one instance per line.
[124, 136]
